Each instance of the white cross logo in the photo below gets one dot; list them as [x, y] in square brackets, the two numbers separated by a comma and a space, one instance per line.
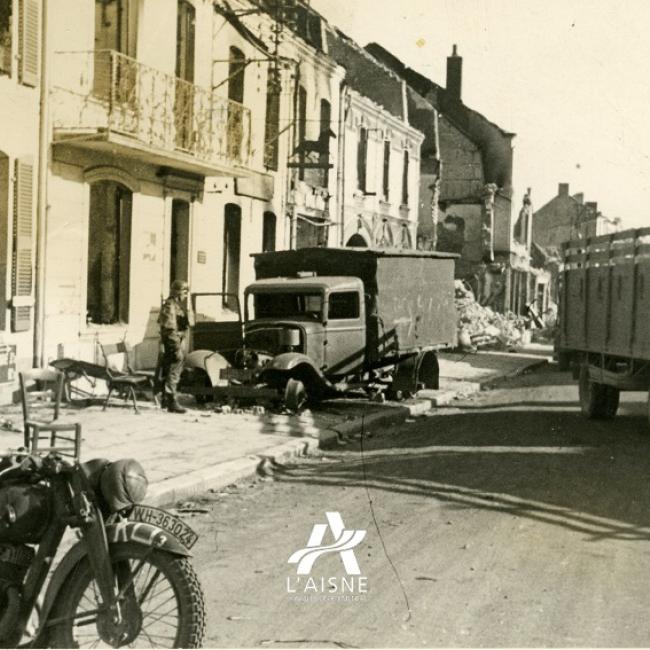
[344, 542]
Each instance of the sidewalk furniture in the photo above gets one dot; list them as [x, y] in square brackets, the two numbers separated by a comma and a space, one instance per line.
[120, 377]
[40, 392]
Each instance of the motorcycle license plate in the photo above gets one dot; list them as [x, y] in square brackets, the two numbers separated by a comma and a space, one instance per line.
[165, 521]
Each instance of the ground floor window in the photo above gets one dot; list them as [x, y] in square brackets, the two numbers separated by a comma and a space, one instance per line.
[109, 253]
[311, 232]
[231, 254]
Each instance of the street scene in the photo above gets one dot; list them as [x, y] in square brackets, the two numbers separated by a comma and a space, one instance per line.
[324, 324]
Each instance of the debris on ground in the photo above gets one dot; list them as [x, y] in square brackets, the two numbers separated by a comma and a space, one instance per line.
[480, 326]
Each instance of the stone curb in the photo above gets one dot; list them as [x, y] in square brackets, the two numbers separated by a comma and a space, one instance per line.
[221, 475]
[495, 381]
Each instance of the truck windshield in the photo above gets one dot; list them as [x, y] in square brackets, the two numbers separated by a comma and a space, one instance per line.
[286, 305]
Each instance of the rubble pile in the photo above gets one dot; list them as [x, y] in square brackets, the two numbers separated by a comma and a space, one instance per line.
[480, 326]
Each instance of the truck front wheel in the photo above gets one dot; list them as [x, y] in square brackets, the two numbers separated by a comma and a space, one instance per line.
[597, 401]
[295, 395]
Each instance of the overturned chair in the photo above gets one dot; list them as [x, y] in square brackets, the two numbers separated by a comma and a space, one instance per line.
[121, 378]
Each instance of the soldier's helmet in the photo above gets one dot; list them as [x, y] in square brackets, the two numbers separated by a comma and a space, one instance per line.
[178, 286]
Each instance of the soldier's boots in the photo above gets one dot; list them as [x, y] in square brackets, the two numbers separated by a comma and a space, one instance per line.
[174, 407]
[171, 404]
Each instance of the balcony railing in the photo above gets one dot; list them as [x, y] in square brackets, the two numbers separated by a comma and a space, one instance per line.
[107, 92]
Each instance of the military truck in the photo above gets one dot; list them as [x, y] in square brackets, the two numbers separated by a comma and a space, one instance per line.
[318, 322]
[604, 310]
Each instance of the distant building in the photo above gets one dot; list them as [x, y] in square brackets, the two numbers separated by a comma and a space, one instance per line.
[567, 217]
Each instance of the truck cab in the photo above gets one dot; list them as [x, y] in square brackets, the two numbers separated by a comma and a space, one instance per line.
[322, 318]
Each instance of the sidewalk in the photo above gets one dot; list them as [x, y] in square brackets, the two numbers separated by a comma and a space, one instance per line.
[188, 454]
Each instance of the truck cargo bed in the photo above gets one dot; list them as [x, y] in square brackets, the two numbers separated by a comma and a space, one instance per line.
[605, 295]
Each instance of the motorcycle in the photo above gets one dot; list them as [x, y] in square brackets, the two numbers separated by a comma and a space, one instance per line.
[127, 581]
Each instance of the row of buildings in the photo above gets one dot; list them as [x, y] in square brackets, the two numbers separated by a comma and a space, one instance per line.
[144, 141]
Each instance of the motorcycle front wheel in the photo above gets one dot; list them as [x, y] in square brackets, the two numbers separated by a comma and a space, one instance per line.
[162, 606]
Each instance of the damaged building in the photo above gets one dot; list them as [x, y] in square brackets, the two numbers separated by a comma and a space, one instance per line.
[466, 197]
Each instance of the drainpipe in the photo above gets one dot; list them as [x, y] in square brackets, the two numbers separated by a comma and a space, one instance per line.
[41, 205]
[293, 172]
[340, 172]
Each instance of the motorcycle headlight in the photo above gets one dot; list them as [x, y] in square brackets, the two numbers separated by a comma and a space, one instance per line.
[123, 484]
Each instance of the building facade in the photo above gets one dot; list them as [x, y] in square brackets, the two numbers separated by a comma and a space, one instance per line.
[379, 153]
[158, 169]
[20, 84]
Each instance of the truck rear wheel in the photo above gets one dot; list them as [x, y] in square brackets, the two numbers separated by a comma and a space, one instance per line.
[597, 401]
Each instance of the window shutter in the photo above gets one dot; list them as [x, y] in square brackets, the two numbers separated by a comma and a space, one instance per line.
[5, 213]
[29, 41]
[21, 304]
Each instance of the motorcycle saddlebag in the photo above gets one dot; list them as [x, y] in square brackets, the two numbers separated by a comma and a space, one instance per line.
[25, 512]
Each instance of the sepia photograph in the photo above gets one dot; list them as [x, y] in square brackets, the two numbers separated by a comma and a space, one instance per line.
[323, 323]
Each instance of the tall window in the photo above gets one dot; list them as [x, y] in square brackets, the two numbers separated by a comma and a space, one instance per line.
[362, 159]
[109, 252]
[386, 172]
[231, 253]
[302, 128]
[272, 124]
[5, 36]
[184, 97]
[236, 73]
[115, 32]
[405, 179]
[325, 127]
[268, 232]
[185, 41]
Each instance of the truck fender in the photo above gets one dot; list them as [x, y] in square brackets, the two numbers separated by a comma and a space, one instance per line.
[297, 366]
[124, 531]
[209, 361]
[290, 360]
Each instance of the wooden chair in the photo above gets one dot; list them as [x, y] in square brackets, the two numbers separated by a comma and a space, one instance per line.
[40, 392]
[121, 377]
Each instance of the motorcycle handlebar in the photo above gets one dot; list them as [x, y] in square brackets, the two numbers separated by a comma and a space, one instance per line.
[26, 463]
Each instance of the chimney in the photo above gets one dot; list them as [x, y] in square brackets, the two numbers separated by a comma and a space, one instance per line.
[563, 189]
[592, 209]
[454, 75]
[579, 197]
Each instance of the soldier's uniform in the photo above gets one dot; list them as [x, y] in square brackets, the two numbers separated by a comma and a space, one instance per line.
[174, 325]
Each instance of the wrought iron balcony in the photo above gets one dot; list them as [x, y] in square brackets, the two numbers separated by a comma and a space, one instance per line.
[104, 99]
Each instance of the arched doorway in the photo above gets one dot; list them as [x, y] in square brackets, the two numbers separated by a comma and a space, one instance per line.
[357, 241]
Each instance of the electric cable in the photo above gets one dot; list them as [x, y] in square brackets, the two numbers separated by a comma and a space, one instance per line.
[376, 524]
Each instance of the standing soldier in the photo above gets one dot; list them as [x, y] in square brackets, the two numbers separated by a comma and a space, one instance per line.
[174, 325]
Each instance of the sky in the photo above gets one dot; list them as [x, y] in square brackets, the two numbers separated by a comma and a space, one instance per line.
[570, 77]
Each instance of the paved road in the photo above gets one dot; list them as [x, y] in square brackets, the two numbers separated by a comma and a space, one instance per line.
[509, 521]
